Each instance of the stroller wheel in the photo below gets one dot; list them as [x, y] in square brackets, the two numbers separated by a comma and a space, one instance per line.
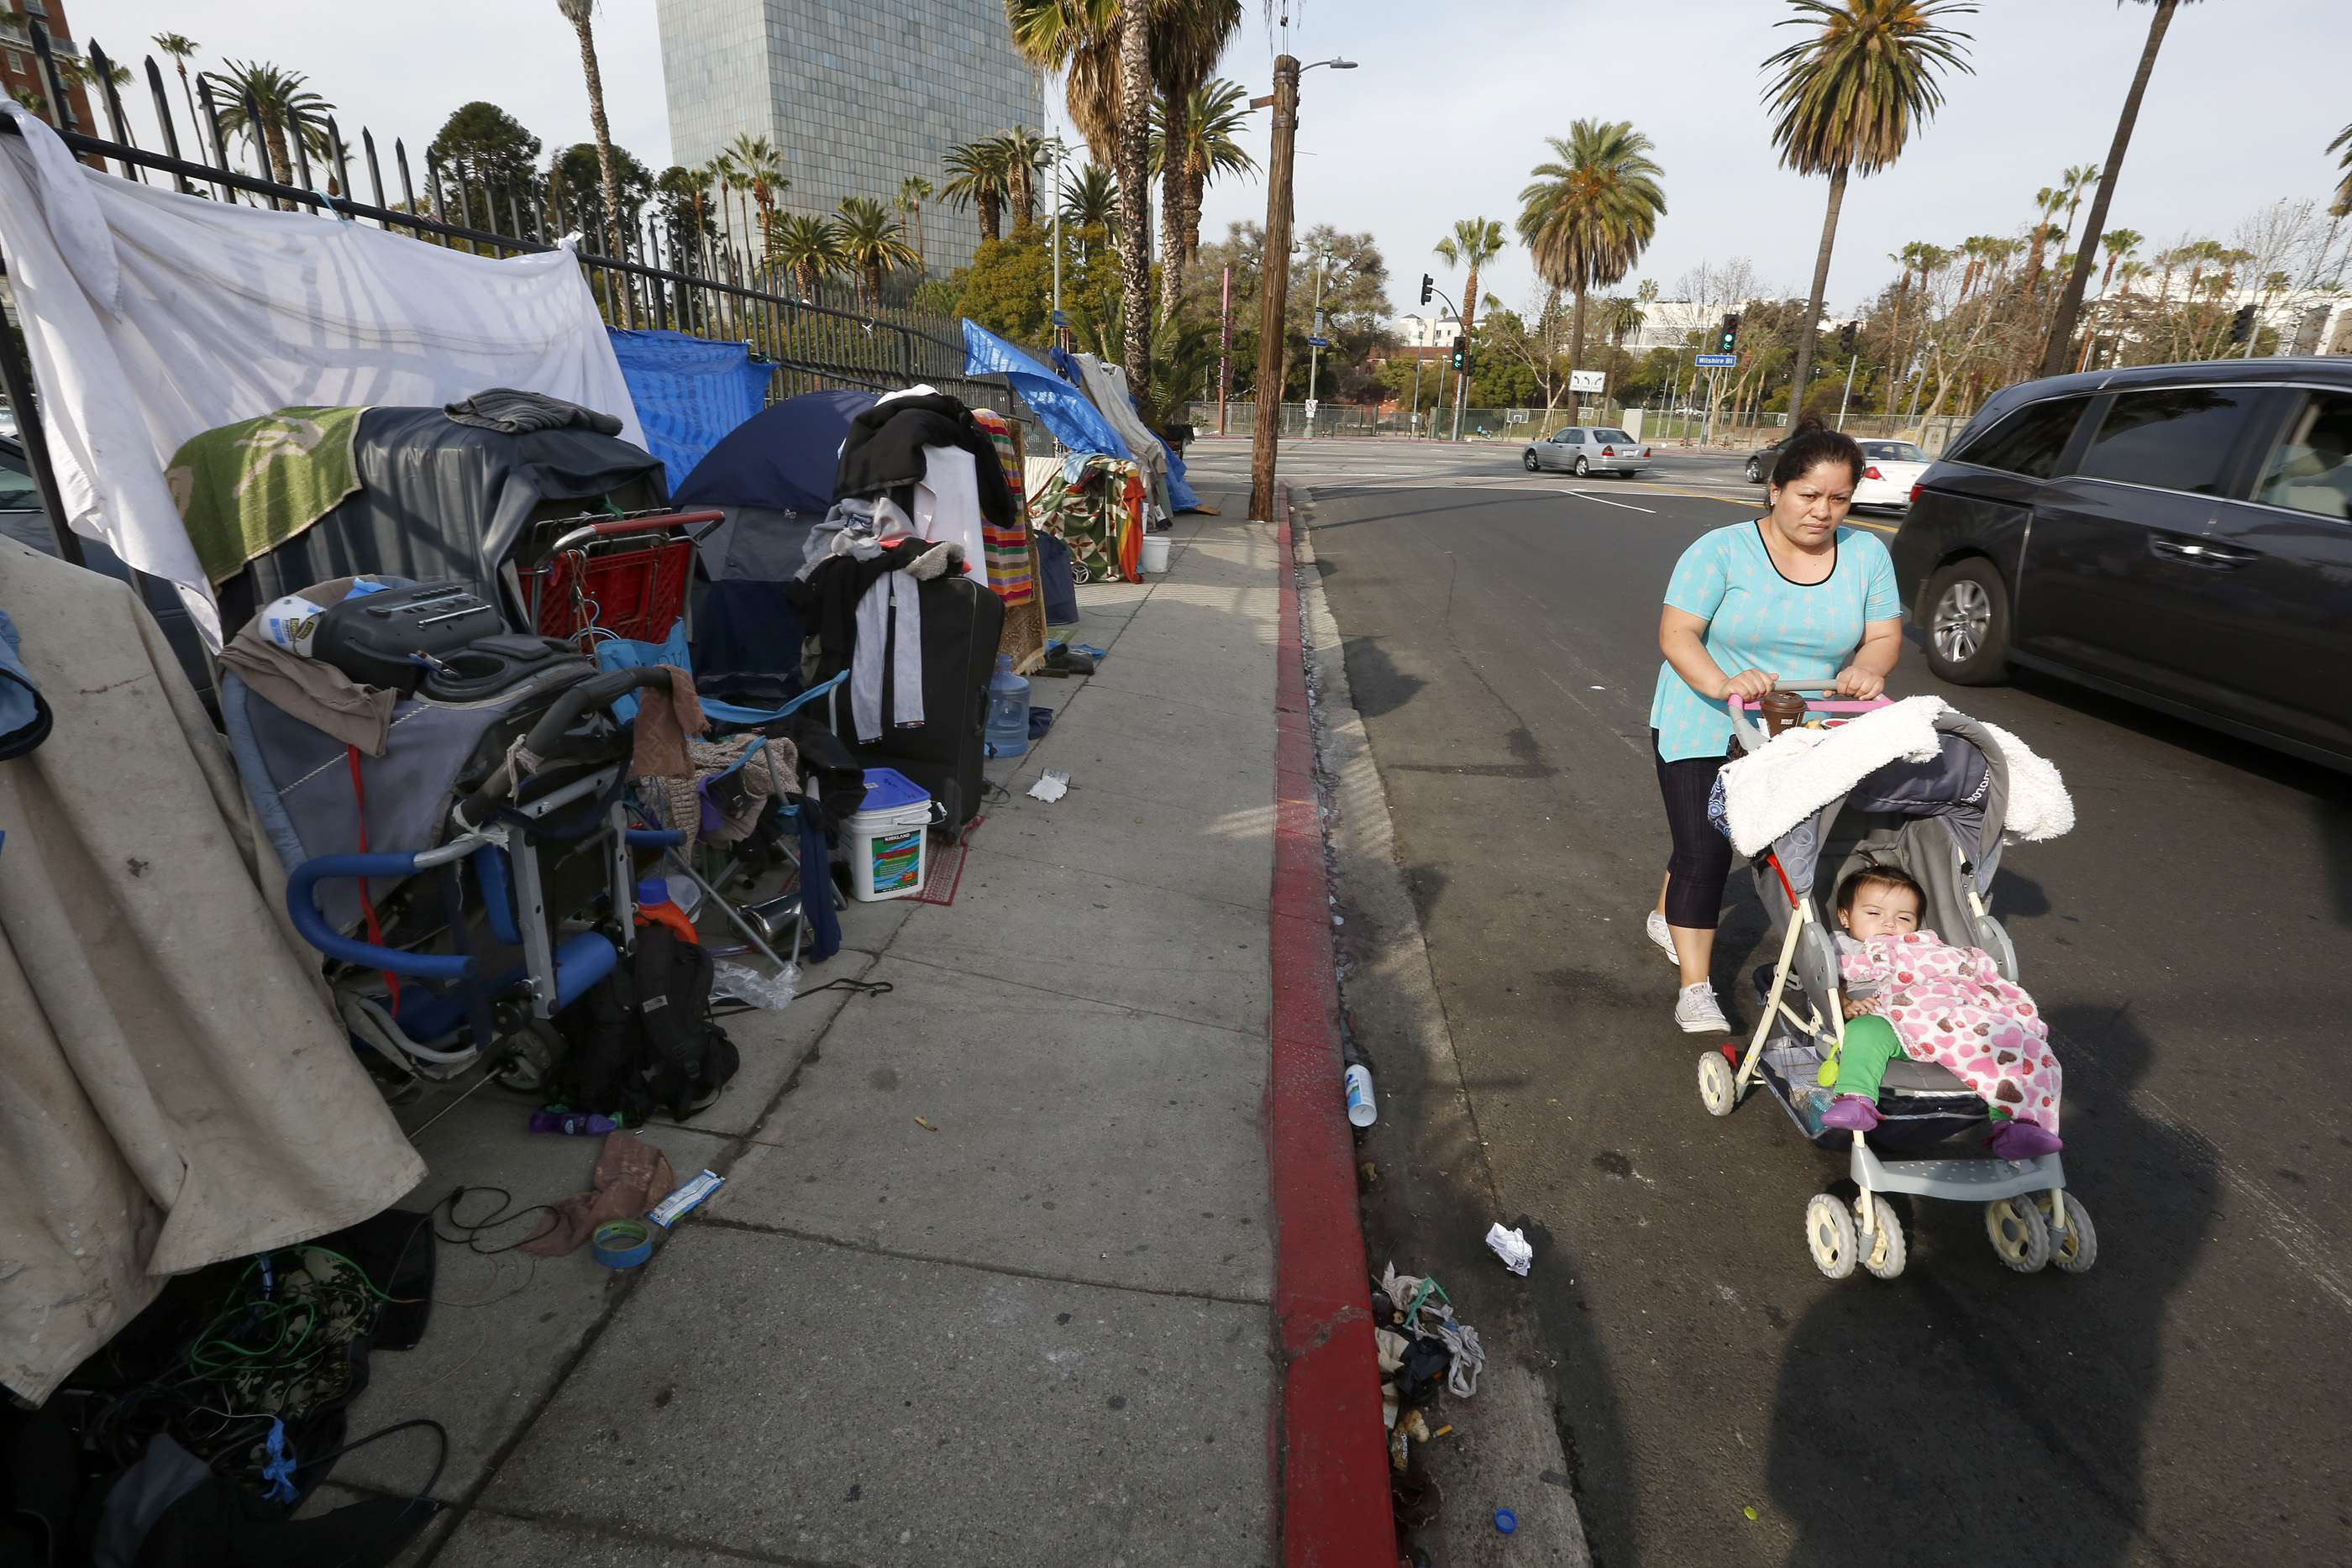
[1888, 1252]
[2076, 1248]
[2018, 1234]
[1716, 1091]
[1829, 1235]
[528, 1060]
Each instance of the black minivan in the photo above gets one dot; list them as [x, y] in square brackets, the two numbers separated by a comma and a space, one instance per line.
[2179, 535]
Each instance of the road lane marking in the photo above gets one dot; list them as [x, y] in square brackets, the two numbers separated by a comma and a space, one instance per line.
[1586, 495]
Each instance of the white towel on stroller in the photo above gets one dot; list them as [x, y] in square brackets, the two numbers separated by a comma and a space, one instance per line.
[1769, 791]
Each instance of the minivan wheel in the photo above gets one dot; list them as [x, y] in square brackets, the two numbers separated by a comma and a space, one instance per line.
[1967, 617]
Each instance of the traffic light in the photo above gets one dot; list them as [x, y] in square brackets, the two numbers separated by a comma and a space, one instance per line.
[1730, 332]
[1846, 339]
[1428, 287]
[2242, 325]
[1461, 354]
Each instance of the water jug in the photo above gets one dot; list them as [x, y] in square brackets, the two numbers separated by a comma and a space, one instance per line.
[1008, 710]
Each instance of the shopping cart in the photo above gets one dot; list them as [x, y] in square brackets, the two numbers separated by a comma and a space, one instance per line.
[593, 576]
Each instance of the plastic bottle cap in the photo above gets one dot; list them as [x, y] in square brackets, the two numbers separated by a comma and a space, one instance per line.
[653, 890]
[1505, 1520]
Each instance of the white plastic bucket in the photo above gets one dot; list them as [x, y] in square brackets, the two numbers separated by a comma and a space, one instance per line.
[889, 853]
[1155, 554]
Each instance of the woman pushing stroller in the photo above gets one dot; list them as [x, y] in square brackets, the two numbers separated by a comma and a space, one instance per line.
[1907, 993]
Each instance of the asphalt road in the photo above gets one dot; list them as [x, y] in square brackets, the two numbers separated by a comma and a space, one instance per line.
[2184, 1403]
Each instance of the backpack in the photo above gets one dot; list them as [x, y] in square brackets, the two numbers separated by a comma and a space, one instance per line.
[642, 1039]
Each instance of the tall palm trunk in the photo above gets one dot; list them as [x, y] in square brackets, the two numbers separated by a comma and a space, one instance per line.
[2070, 303]
[1196, 190]
[1173, 161]
[991, 216]
[1576, 334]
[1135, 193]
[922, 258]
[1809, 327]
[281, 157]
[602, 129]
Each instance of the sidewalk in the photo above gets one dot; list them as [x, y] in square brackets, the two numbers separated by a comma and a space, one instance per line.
[1039, 1329]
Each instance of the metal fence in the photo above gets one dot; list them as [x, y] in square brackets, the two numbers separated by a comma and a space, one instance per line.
[641, 275]
[1729, 432]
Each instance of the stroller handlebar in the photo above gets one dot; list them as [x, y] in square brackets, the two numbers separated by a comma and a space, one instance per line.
[546, 737]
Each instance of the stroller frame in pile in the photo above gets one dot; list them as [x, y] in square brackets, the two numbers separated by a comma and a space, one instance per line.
[2030, 1217]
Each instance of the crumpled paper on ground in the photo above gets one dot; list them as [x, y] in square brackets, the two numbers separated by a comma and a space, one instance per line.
[1050, 785]
[1512, 1248]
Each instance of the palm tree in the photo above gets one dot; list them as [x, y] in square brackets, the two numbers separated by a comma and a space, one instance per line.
[726, 176]
[1025, 153]
[1091, 200]
[1620, 318]
[2046, 201]
[872, 243]
[2077, 179]
[759, 176]
[977, 177]
[2342, 207]
[1588, 215]
[182, 49]
[1848, 99]
[1187, 37]
[2070, 301]
[281, 101]
[1474, 243]
[810, 250]
[1135, 192]
[581, 14]
[1210, 146]
[1079, 38]
[913, 191]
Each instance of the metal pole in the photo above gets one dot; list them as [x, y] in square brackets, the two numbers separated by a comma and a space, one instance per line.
[1412, 414]
[1274, 297]
[1226, 348]
[1850, 358]
[1314, 332]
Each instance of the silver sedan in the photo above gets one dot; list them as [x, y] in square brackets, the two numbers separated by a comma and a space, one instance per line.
[1583, 449]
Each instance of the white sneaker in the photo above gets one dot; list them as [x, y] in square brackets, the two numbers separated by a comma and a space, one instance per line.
[1657, 931]
[1696, 1010]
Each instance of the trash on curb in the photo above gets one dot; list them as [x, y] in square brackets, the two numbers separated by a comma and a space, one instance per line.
[1357, 1084]
[1512, 1247]
[925, 1126]
[748, 986]
[1050, 785]
[1505, 1521]
[686, 1199]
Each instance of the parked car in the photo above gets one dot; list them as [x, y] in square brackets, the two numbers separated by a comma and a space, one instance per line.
[1889, 470]
[1583, 449]
[1760, 462]
[24, 519]
[2177, 535]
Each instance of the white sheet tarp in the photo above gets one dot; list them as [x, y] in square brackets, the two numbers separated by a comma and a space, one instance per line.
[174, 1088]
[152, 316]
[1107, 385]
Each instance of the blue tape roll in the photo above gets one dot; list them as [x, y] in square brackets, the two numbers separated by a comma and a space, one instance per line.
[622, 1244]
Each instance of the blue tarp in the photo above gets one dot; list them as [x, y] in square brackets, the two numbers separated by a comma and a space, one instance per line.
[782, 459]
[689, 393]
[1179, 493]
[1075, 422]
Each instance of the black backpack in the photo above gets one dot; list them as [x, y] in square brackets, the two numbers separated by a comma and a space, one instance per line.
[643, 1040]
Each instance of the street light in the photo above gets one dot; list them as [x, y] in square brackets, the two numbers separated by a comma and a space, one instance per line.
[1274, 297]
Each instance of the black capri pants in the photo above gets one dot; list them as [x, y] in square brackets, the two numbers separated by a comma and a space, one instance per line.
[1701, 862]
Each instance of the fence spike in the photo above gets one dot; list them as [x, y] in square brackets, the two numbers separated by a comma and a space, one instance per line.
[163, 118]
[375, 171]
[342, 178]
[218, 139]
[101, 71]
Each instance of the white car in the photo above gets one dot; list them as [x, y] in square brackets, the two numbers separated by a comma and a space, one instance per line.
[1583, 449]
[1890, 469]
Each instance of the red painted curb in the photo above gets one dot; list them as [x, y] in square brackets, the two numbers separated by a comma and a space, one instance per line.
[1329, 1447]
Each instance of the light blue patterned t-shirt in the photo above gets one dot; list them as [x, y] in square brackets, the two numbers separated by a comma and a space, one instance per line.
[1758, 619]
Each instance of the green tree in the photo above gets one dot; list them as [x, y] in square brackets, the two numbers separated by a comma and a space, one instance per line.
[759, 179]
[684, 195]
[1078, 39]
[582, 14]
[182, 49]
[1209, 145]
[1187, 37]
[1588, 215]
[2070, 301]
[575, 184]
[1024, 154]
[1848, 97]
[809, 249]
[483, 147]
[1091, 200]
[2342, 205]
[913, 191]
[283, 103]
[1474, 243]
[977, 177]
[873, 243]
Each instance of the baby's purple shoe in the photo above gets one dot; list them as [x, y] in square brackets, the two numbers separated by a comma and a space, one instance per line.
[1851, 1113]
[2023, 1141]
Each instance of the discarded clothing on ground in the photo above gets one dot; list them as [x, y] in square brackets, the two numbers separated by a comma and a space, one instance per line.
[25, 716]
[513, 412]
[631, 1176]
[1421, 1309]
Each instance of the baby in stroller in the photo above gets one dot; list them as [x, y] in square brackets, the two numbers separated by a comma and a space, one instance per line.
[1909, 994]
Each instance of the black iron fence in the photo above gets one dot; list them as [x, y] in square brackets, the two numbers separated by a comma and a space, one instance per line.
[641, 271]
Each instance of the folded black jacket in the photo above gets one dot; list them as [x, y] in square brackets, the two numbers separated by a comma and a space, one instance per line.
[884, 451]
[827, 599]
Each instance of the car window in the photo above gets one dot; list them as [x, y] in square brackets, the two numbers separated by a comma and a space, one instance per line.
[1893, 451]
[2029, 441]
[1571, 437]
[1617, 436]
[2310, 468]
[2172, 438]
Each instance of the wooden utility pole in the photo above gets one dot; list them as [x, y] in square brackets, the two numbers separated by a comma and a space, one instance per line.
[1273, 294]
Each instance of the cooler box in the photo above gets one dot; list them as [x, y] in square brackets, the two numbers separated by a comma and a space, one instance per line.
[889, 839]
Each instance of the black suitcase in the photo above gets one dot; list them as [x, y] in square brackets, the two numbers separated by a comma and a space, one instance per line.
[963, 620]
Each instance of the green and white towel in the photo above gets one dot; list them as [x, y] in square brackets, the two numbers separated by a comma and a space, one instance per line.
[244, 489]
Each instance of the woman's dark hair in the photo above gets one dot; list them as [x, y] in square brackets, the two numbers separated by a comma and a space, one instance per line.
[1812, 442]
[1872, 876]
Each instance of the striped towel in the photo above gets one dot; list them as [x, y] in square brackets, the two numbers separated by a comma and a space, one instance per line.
[1007, 548]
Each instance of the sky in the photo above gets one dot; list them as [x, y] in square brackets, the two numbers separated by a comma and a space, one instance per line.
[2246, 96]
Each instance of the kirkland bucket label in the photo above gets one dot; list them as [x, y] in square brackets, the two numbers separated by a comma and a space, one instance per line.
[895, 861]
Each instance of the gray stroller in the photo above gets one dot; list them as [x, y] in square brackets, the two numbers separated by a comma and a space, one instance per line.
[1941, 822]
